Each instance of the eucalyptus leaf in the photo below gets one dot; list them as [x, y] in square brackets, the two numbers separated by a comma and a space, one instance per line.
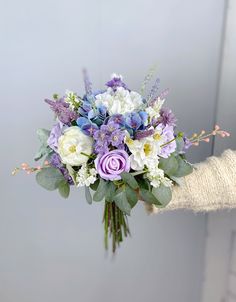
[184, 168]
[64, 189]
[110, 192]
[49, 178]
[72, 172]
[168, 165]
[132, 196]
[122, 202]
[163, 194]
[88, 195]
[101, 190]
[43, 135]
[94, 186]
[179, 144]
[148, 197]
[129, 179]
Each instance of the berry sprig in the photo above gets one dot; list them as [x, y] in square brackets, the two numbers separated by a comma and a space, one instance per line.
[205, 137]
[29, 170]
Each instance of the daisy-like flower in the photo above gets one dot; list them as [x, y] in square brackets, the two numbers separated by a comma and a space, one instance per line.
[153, 110]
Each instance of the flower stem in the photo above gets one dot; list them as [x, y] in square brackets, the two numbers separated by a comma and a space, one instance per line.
[115, 223]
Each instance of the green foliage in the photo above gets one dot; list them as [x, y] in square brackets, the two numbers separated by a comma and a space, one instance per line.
[101, 190]
[64, 189]
[169, 165]
[163, 194]
[88, 195]
[131, 195]
[179, 144]
[148, 197]
[129, 179]
[72, 172]
[49, 178]
[44, 150]
[121, 202]
[184, 168]
[110, 191]
[94, 186]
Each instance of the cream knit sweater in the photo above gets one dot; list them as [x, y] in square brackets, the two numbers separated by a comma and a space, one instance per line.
[212, 186]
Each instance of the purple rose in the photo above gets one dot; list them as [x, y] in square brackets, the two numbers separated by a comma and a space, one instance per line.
[55, 133]
[112, 164]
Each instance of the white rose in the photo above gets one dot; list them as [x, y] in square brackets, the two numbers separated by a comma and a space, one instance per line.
[72, 144]
[120, 101]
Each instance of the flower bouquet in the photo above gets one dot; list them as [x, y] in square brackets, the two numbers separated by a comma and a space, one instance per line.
[120, 145]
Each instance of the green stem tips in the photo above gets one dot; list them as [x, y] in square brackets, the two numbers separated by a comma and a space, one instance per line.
[115, 225]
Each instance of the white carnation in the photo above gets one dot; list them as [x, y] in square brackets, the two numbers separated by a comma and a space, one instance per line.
[120, 101]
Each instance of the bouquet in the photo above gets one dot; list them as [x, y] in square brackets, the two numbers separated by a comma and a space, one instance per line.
[120, 145]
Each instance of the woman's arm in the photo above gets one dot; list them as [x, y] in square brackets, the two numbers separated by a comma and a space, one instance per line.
[212, 186]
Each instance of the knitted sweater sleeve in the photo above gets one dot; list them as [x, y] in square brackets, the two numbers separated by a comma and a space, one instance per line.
[212, 186]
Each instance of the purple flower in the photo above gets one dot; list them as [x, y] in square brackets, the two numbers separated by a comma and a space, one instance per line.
[62, 111]
[86, 126]
[167, 117]
[187, 143]
[168, 134]
[55, 161]
[55, 133]
[116, 81]
[136, 120]
[144, 133]
[112, 164]
[118, 119]
[117, 138]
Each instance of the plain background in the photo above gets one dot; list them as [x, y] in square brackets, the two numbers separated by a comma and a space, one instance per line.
[52, 249]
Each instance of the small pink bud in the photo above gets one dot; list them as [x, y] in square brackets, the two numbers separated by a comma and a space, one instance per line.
[207, 140]
[38, 168]
[46, 163]
[203, 132]
[24, 165]
[217, 127]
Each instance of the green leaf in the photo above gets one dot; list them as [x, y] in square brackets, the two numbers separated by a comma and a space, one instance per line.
[64, 189]
[88, 195]
[101, 190]
[143, 182]
[43, 135]
[122, 202]
[129, 179]
[72, 172]
[94, 186]
[184, 168]
[148, 197]
[49, 178]
[179, 144]
[131, 196]
[110, 192]
[169, 165]
[163, 194]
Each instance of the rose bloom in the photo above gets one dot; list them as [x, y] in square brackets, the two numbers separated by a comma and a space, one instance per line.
[72, 144]
[112, 164]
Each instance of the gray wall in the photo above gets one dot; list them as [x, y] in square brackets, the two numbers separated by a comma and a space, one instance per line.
[51, 249]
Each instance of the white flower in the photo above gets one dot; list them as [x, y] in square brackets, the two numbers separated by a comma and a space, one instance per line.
[72, 99]
[154, 110]
[72, 144]
[120, 101]
[156, 175]
[142, 151]
[85, 176]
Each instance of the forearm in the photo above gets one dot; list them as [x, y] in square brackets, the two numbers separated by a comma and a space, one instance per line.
[211, 186]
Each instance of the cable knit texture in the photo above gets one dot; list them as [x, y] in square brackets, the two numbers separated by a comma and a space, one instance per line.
[212, 186]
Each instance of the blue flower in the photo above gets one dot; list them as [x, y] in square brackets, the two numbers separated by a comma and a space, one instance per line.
[86, 126]
[136, 120]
